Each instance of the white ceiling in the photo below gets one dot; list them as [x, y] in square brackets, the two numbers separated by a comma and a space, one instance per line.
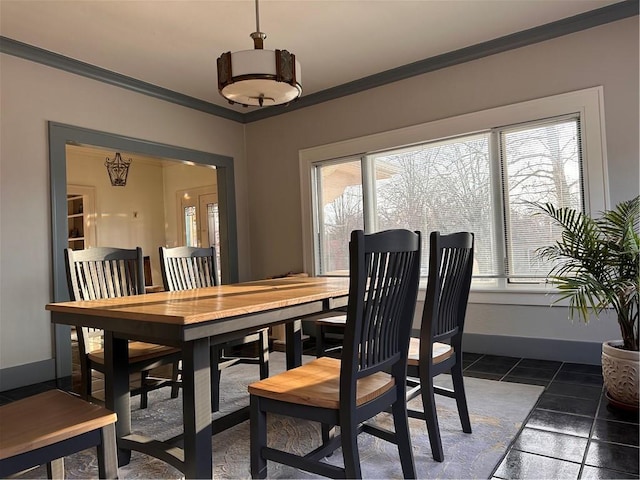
[98, 154]
[174, 44]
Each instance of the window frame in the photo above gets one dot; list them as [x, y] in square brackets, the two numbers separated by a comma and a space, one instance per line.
[587, 103]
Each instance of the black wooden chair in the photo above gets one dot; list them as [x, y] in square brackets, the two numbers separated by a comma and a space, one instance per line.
[185, 268]
[44, 428]
[326, 326]
[370, 377]
[104, 272]
[439, 348]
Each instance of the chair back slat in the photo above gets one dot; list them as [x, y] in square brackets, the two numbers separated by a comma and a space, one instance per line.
[384, 278]
[185, 268]
[104, 272]
[450, 272]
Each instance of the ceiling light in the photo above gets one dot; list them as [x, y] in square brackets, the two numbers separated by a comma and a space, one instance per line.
[259, 77]
[118, 170]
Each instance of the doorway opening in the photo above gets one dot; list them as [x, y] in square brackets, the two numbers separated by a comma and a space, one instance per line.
[60, 137]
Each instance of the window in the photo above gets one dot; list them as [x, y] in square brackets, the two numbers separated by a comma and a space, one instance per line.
[485, 181]
[541, 163]
[339, 211]
[190, 226]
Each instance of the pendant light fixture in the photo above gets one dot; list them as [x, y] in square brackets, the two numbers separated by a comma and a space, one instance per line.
[259, 77]
[118, 170]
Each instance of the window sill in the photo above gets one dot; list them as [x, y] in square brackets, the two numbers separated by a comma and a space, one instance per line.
[517, 296]
[543, 297]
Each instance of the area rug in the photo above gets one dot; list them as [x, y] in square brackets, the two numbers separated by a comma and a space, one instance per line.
[497, 411]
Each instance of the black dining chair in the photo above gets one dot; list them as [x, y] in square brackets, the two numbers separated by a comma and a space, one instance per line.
[329, 326]
[184, 268]
[368, 379]
[104, 272]
[439, 348]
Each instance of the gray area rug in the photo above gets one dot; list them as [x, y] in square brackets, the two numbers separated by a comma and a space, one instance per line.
[497, 411]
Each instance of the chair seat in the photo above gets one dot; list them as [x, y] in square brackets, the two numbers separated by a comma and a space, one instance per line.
[441, 351]
[317, 384]
[47, 418]
[337, 321]
[138, 352]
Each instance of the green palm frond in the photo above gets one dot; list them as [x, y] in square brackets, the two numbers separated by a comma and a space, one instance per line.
[596, 263]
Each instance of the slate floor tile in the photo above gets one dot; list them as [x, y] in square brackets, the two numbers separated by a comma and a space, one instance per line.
[609, 412]
[602, 454]
[525, 465]
[573, 390]
[595, 473]
[528, 381]
[471, 357]
[541, 364]
[486, 376]
[616, 432]
[581, 368]
[577, 425]
[23, 392]
[494, 364]
[530, 372]
[579, 378]
[552, 444]
[577, 406]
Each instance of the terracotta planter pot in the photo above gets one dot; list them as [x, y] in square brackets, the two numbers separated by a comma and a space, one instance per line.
[620, 372]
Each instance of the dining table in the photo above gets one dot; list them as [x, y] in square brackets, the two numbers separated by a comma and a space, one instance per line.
[193, 320]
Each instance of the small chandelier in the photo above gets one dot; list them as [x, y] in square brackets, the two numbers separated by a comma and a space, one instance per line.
[259, 77]
[118, 170]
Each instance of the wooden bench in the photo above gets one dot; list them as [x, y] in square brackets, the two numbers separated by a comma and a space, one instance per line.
[47, 427]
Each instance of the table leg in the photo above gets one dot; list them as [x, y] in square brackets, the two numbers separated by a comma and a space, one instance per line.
[196, 406]
[116, 383]
[294, 343]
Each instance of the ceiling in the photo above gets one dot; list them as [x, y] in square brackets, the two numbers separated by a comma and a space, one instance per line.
[99, 154]
[174, 44]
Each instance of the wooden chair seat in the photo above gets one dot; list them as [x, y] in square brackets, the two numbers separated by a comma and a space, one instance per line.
[335, 324]
[48, 426]
[317, 384]
[441, 351]
[138, 352]
[335, 321]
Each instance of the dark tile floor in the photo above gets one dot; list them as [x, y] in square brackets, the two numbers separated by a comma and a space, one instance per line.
[571, 433]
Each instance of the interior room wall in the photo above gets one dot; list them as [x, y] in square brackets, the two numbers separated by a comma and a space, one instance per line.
[606, 55]
[32, 95]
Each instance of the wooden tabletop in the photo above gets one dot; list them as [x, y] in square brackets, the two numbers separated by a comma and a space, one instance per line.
[193, 306]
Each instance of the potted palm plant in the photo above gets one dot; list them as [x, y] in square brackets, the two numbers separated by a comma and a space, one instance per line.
[596, 267]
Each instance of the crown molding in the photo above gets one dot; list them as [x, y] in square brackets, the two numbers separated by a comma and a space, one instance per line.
[576, 23]
[55, 60]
